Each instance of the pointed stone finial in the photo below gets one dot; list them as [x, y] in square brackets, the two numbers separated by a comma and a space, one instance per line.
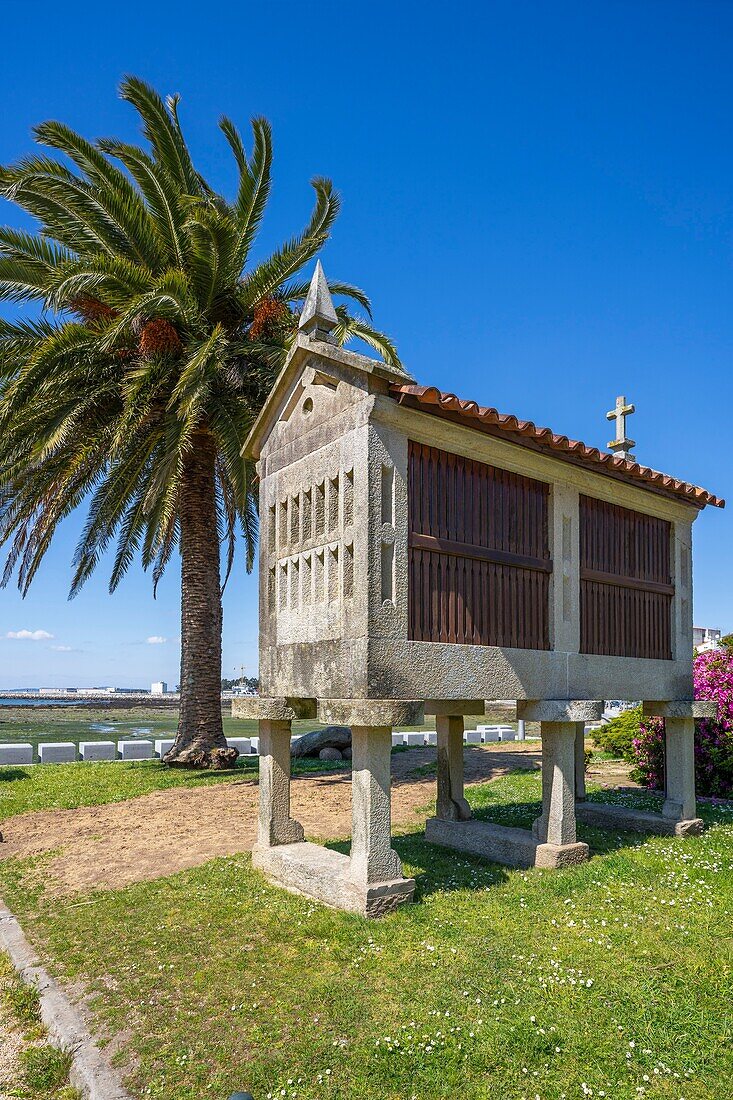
[318, 318]
[621, 445]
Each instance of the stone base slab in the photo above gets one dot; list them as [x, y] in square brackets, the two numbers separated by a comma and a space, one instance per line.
[606, 816]
[552, 856]
[502, 844]
[325, 875]
[263, 708]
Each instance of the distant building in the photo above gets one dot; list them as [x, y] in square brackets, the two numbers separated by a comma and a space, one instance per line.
[112, 691]
[705, 638]
[159, 688]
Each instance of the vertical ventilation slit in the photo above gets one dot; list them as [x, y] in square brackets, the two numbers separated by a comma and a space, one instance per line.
[348, 498]
[387, 572]
[295, 520]
[307, 518]
[333, 573]
[349, 570]
[307, 579]
[333, 504]
[294, 584]
[318, 595]
[320, 510]
[388, 495]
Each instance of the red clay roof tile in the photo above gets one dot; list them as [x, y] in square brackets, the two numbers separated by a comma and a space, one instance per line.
[431, 400]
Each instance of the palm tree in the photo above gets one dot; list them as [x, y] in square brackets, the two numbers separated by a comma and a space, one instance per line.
[135, 384]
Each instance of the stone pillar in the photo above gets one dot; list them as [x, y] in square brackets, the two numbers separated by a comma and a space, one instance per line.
[521, 730]
[580, 761]
[373, 859]
[276, 826]
[556, 826]
[452, 806]
[679, 804]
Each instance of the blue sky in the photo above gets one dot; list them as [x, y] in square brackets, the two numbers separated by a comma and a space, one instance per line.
[538, 197]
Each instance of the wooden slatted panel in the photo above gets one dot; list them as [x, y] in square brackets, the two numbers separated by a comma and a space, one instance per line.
[626, 588]
[479, 557]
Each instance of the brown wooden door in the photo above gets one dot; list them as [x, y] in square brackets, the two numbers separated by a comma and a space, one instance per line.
[626, 587]
[479, 555]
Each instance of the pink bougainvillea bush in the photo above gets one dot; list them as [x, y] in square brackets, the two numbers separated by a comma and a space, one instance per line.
[713, 676]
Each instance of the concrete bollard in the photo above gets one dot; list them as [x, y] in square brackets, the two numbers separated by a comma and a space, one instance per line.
[242, 744]
[57, 752]
[135, 750]
[16, 754]
[163, 744]
[98, 750]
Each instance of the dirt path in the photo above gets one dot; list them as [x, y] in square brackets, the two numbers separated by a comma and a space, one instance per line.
[108, 847]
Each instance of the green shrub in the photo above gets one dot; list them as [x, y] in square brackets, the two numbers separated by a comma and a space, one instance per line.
[713, 679]
[617, 736]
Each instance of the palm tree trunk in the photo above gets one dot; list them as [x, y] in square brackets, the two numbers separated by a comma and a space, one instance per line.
[200, 741]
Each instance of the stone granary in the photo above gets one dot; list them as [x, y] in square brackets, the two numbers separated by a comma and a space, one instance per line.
[423, 555]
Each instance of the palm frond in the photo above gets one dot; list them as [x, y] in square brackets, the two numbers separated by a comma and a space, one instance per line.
[158, 338]
[160, 126]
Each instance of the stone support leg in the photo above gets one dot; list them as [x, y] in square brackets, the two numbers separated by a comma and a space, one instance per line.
[452, 806]
[373, 859]
[580, 761]
[555, 828]
[679, 804]
[276, 826]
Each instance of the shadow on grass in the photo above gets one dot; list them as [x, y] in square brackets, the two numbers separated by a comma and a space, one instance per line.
[443, 869]
[8, 775]
[438, 870]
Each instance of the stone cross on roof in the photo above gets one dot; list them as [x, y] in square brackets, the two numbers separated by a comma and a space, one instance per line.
[621, 445]
[318, 318]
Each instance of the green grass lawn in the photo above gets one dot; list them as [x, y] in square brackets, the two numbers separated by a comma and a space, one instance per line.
[611, 980]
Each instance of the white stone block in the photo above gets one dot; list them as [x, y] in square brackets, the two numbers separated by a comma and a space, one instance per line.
[98, 750]
[472, 737]
[254, 746]
[431, 738]
[489, 733]
[57, 752]
[507, 733]
[415, 739]
[135, 750]
[242, 744]
[16, 754]
[398, 739]
[163, 744]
